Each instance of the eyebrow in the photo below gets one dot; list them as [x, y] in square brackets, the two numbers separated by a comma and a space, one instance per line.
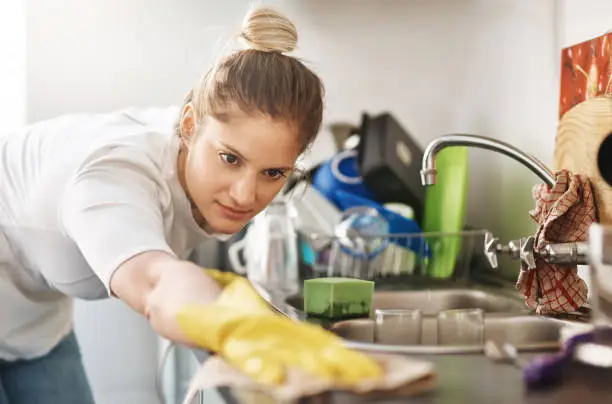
[237, 153]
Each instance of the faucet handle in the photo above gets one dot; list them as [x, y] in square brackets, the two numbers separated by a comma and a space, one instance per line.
[492, 247]
[527, 254]
[522, 249]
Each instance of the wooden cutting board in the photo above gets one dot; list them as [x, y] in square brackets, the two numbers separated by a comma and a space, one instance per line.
[581, 132]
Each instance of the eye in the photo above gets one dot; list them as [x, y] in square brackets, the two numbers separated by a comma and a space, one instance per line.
[275, 173]
[229, 158]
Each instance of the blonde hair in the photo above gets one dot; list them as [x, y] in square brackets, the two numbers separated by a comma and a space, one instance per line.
[263, 79]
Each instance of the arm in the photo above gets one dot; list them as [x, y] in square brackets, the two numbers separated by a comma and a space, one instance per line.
[158, 285]
[111, 209]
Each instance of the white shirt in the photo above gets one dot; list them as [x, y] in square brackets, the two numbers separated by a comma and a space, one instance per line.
[79, 195]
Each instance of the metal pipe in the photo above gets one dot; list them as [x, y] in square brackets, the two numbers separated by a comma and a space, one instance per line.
[428, 171]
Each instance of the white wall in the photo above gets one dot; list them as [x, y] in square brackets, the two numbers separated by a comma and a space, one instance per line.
[481, 67]
[441, 66]
[581, 20]
[475, 66]
[13, 65]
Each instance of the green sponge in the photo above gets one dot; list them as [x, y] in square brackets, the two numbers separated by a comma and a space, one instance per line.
[335, 298]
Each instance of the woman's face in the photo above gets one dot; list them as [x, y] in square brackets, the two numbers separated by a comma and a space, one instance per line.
[235, 166]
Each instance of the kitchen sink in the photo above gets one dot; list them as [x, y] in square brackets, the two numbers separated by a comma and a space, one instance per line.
[525, 332]
[506, 319]
[432, 301]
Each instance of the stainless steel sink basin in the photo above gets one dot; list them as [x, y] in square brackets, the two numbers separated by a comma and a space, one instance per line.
[507, 319]
[526, 332]
[432, 301]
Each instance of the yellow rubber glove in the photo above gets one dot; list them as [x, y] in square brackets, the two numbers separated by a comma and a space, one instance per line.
[221, 277]
[248, 334]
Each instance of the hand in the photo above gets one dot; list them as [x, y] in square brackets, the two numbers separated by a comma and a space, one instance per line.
[249, 335]
[221, 277]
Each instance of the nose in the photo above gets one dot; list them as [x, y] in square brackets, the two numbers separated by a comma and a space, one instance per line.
[243, 191]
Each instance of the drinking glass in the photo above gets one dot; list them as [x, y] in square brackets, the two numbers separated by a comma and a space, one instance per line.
[461, 327]
[397, 326]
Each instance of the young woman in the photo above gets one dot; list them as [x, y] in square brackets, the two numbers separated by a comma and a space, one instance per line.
[101, 205]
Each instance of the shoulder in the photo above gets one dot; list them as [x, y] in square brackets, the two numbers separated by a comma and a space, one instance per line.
[141, 138]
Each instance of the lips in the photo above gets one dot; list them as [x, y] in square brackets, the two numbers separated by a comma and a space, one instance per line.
[236, 211]
[233, 213]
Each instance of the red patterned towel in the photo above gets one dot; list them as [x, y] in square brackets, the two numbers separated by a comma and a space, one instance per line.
[564, 213]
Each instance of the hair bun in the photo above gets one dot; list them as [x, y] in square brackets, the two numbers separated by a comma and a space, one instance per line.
[267, 30]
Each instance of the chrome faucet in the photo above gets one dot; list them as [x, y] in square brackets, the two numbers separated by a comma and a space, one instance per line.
[428, 170]
[574, 253]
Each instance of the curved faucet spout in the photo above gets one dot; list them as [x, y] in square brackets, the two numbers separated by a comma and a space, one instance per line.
[428, 171]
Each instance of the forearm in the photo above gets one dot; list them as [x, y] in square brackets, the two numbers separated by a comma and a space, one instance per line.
[178, 285]
[159, 286]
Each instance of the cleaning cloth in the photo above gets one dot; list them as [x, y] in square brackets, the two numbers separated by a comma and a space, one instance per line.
[564, 214]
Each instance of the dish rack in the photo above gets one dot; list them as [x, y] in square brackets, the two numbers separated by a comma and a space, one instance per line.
[395, 256]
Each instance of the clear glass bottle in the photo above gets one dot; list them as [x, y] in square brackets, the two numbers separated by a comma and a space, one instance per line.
[275, 265]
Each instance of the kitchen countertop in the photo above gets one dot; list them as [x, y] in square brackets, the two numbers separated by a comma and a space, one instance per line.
[475, 379]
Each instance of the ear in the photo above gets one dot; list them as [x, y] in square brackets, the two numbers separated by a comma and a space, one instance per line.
[188, 123]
